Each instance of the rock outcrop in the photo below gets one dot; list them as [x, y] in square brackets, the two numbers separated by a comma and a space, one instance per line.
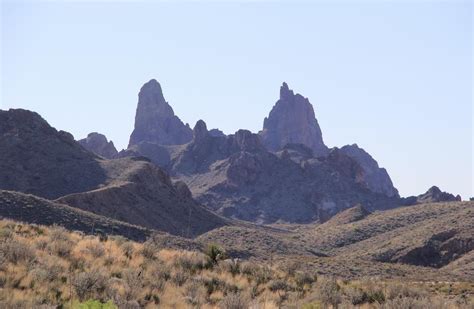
[238, 177]
[155, 120]
[37, 159]
[434, 195]
[375, 178]
[292, 121]
[98, 144]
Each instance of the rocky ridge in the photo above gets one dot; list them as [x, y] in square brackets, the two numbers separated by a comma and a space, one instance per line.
[98, 144]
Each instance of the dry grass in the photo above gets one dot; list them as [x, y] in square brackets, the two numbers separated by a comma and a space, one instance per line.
[42, 266]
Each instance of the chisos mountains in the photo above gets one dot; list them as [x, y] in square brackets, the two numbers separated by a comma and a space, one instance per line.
[275, 194]
[37, 159]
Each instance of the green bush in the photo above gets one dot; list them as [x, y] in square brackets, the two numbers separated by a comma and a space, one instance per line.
[215, 253]
[94, 304]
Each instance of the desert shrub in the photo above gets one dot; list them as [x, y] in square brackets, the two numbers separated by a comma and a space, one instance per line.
[215, 253]
[134, 280]
[190, 262]
[290, 268]
[60, 247]
[262, 275]
[41, 244]
[179, 278]
[47, 273]
[95, 304]
[329, 292]
[212, 285]
[15, 252]
[376, 296]
[57, 233]
[88, 284]
[400, 290]
[128, 249]
[417, 303]
[159, 271]
[278, 285]
[194, 293]
[234, 301]
[355, 295]
[148, 250]
[248, 268]
[302, 279]
[231, 266]
[95, 249]
[6, 232]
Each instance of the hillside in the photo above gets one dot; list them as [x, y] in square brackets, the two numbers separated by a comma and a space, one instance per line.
[31, 209]
[37, 159]
[48, 267]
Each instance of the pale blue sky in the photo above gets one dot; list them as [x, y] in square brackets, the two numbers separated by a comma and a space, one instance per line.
[393, 77]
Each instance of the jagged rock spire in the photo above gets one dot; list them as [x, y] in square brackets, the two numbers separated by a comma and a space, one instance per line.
[292, 120]
[155, 120]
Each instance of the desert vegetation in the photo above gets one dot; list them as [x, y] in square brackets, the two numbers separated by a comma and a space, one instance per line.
[47, 267]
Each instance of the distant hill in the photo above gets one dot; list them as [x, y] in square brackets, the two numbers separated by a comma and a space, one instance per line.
[37, 159]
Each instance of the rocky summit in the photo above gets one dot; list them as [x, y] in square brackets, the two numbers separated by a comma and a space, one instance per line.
[155, 120]
[292, 121]
[98, 144]
[374, 177]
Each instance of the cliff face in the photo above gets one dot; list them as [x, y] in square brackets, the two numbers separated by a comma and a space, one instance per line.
[37, 159]
[292, 121]
[98, 144]
[155, 120]
[375, 178]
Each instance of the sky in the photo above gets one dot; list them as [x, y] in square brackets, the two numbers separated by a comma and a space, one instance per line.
[395, 77]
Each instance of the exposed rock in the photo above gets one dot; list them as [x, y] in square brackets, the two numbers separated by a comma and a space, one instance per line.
[35, 158]
[292, 120]
[374, 177]
[155, 121]
[434, 194]
[237, 177]
[350, 215]
[158, 154]
[216, 133]
[98, 144]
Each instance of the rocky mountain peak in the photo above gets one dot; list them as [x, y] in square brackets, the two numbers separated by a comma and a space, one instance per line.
[285, 92]
[375, 178]
[98, 144]
[245, 140]
[200, 130]
[292, 120]
[155, 120]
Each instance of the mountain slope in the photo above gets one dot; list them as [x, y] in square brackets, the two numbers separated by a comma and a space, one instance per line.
[31, 209]
[35, 158]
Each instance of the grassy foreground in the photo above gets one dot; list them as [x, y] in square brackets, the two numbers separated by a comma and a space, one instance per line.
[50, 267]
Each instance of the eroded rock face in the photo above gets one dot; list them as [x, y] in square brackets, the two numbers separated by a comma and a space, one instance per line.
[375, 178]
[434, 194]
[98, 144]
[155, 120]
[292, 121]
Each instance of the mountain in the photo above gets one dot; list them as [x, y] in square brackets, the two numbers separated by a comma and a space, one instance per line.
[37, 159]
[433, 195]
[98, 144]
[375, 178]
[285, 173]
[292, 121]
[155, 120]
[32, 209]
[237, 177]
